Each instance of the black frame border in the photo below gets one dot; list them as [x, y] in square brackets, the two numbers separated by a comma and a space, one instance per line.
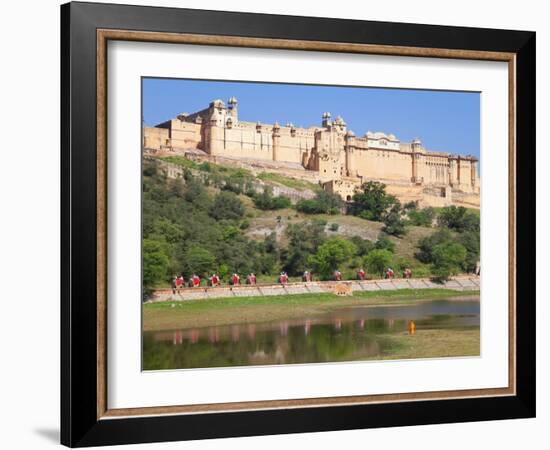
[79, 423]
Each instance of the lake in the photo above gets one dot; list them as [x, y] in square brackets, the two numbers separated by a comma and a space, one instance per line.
[345, 334]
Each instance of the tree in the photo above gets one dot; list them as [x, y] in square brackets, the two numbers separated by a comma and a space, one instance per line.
[459, 219]
[373, 202]
[323, 203]
[266, 201]
[364, 246]
[195, 192]
[448, 258]
[329, 203]
[200, 261]
[384, 243]
[155, 262]
[263, 200]
[331, 255]
[393, 223]
[427, 244]
[227, 206]
[281, 202]
[377, 261]
[304, 239]
[421, 217]
[470, 241]
[308, 206]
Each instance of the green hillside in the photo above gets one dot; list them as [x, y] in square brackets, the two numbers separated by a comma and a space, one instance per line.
[213, 220]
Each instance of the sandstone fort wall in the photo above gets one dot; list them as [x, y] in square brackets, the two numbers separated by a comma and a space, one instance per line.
[341, 160]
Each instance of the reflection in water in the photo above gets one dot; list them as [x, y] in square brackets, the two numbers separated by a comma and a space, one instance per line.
[346, 334]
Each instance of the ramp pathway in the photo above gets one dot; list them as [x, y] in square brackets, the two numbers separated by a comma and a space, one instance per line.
[460, 283]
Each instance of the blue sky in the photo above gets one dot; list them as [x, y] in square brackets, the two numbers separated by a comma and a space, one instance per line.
[444, 121]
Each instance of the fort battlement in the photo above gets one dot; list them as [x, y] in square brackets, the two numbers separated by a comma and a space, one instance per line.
[341, 160]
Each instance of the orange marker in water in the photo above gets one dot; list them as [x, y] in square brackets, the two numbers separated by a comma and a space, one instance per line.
[411, 327]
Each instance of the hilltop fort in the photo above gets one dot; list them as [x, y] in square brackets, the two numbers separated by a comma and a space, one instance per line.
[329, 154]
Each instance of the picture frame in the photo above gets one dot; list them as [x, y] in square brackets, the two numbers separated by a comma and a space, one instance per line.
[86, 29]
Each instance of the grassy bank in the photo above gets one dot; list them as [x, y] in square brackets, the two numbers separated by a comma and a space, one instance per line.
[432, 343]
[233, 310]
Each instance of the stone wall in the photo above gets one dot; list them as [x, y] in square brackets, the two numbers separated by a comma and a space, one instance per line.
[460, 283]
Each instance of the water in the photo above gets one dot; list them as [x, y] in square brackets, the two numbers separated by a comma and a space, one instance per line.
[346, 334]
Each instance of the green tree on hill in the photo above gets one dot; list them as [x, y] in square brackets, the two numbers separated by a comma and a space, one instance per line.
[266, 200]
[330, 255]
[384, 243]
[448, 258]
[304, 239]
[155, 262]
[200, 261]
[373, 202]
[470, 241]
[393, 222]
[421, 217]
[227, 206]
[459, 219]
[323, 203]
[364, 246]
[427, 244]
[377, 261]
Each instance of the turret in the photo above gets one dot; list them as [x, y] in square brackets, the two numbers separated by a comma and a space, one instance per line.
[326, 122]
[339, 124]
[214, 133]
[276, 138]
[416, 145]
[349, 149]
[232, 109]
[416, 148]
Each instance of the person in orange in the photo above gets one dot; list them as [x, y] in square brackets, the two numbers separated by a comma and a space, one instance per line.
[361, 274]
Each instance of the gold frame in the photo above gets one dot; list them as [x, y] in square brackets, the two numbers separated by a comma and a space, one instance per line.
[103, 36]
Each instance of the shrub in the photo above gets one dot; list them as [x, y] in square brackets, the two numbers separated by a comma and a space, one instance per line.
[266, 200]
[427, 244]
[384, 243]
[200, 261]
[448, 258]
[330, 255]
[421, 218]
[155, 262]
[377, 261]
[304, 240]
[227, 206]
[393, 223]
[459, 219]
[373, 202]
[364, 246]
[323, 203]
[308, 207]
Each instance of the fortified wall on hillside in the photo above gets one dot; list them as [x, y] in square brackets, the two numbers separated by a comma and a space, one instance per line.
[341, 160]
